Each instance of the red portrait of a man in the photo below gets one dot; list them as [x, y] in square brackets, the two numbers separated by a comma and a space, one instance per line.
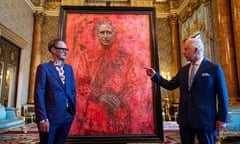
[108, 53]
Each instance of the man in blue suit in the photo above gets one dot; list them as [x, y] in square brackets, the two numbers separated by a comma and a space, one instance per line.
[55, 96]
[203, 103]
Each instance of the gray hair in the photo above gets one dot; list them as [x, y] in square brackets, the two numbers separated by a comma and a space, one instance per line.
[196, 43]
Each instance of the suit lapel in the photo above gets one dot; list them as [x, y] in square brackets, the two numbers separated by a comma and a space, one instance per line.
[67, 74]
[54, 72]
[67, 82]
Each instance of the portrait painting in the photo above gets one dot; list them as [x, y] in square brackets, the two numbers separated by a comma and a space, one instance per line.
[108, 50]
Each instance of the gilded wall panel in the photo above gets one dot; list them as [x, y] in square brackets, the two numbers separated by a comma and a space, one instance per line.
[164, 50]
[164, 45]
[49, 32]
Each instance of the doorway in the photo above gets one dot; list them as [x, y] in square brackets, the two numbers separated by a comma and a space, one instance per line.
[9, 64]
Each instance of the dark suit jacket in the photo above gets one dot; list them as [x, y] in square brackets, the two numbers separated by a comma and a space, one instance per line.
[50, 93]
[206, 101]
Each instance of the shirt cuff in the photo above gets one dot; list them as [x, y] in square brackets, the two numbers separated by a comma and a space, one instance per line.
[43, 121]
[153, 74]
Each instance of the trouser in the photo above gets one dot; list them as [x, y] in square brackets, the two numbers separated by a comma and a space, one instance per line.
[188, 135]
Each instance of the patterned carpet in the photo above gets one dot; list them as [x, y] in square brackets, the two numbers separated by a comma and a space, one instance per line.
[171, 132]
[21, 135]
[29, 134]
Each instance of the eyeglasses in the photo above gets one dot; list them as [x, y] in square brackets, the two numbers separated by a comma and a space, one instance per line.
[63, 49]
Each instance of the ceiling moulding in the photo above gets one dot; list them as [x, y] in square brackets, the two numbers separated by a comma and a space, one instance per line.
[30, 4]
[107, 3]
[72, 2]
[168, 7]
[37, 6]
[142, 3]
[52, 8]
[162, 15]
[162, 6]
[11, 36]
[177, 6]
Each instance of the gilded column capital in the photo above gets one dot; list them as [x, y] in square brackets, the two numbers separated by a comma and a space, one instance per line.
[38, 16]
[173, 19]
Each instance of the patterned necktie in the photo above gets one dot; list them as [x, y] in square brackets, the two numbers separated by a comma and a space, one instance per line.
[61, 73]
[192, 73]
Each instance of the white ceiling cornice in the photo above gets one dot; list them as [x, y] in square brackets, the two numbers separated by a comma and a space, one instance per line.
[33, 7]
[30, 4]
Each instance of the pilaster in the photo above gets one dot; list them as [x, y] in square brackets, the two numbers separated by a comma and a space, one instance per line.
[226, 46]
[173, 19]
[235, 5]
[36, 52]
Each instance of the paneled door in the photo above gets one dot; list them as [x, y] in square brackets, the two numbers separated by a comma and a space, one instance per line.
[9, 62]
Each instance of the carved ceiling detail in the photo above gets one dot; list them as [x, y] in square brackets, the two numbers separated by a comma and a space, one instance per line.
[191, 7]
[164, 8]
[51, 7]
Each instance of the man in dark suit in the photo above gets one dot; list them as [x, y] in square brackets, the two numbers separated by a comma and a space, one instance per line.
[55, 96]
[203, 104]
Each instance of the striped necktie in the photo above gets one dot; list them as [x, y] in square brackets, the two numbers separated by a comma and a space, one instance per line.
[192, 74]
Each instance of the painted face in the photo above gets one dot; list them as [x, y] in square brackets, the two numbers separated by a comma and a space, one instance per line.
[60, 50]
[189, 52]
[106, 34]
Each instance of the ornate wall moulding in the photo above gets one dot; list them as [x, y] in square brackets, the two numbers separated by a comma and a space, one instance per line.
[13, 37]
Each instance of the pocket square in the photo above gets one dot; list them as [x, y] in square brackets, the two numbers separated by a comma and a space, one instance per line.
[205, 74]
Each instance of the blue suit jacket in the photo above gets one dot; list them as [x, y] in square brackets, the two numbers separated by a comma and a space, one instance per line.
[207, 99]
[50, 93]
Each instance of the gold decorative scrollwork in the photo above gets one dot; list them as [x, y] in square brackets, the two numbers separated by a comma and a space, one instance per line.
[192, 6]
[197, 26]
[208, 34]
